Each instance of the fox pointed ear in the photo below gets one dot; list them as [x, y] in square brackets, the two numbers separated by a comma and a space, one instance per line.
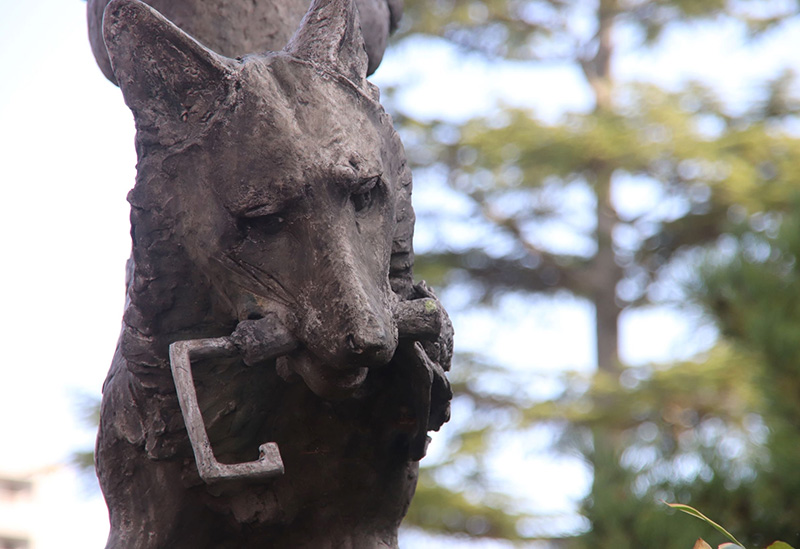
[330, 36]
[167, 78]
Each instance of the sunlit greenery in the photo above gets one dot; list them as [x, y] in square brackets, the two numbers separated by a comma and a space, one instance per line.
[707, 430]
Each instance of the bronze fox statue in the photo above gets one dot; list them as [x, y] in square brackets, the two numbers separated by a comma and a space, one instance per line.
[236, 27]
[272, 207]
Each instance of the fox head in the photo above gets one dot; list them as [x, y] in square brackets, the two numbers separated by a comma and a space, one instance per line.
[268, 186]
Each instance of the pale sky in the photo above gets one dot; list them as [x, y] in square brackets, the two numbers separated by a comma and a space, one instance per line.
[67, 158]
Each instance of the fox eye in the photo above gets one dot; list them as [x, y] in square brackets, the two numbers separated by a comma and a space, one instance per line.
[363, 199]
[264, 224]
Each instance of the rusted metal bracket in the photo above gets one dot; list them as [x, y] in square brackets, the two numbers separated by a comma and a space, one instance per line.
[181, 353]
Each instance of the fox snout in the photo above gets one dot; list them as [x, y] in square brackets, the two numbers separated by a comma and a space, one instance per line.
[357, 332]
[370, 347]
[331, 336]
[371, 344]
[276, 335]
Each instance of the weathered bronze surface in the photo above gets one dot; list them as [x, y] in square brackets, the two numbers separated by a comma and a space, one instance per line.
[272, 214]
[238, 27]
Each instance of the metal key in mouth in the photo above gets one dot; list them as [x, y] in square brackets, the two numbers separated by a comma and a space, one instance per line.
[268, 465]
[416, 319]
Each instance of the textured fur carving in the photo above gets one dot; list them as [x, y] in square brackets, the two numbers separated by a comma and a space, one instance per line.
[272, 201]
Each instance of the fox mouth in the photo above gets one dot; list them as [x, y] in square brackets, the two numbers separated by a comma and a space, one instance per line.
[271, 337]
[323, 379]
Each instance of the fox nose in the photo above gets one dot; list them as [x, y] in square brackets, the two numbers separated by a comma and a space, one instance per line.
[372, 348]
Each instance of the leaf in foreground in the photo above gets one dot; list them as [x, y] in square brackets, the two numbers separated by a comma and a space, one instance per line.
[697, 514]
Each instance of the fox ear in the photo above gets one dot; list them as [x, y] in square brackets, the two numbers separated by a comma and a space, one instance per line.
[330, 36]
[167, 78]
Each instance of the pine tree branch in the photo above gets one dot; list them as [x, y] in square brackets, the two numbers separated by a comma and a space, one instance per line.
[495, 276]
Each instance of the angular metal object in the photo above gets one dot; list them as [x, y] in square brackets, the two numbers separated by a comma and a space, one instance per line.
[181, 353]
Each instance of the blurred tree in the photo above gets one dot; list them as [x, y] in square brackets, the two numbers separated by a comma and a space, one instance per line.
[648, 432]
[753, 291]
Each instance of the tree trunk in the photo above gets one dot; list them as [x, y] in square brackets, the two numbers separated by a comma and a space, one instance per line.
[606, 272]
[606, 276]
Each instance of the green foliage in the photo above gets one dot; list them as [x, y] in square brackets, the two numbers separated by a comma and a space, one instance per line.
[711, 431]
[753, 293]
[695, 513]
[701, 544]
[441, 510]
[517, 176]
[689, 432]
[546, 29]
